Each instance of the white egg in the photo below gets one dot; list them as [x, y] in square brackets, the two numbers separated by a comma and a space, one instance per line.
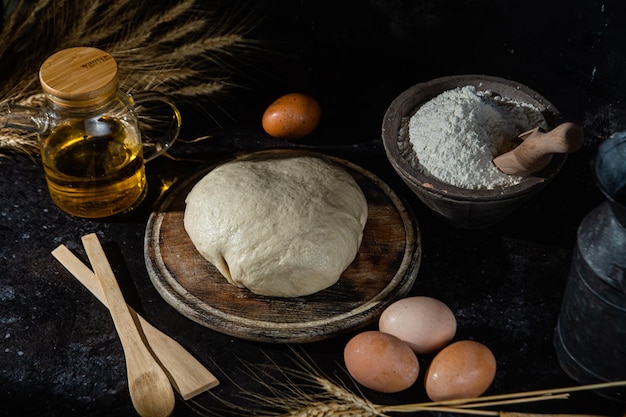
[425, 323]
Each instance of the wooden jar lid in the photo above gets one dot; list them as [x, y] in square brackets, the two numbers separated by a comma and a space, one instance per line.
[77, 77]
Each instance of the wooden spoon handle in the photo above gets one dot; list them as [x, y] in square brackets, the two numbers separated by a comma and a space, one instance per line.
[566, 137]
[188, 376]
[536, 151]
[150, 390]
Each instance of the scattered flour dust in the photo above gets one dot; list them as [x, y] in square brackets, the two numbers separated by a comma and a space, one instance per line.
[456, 135]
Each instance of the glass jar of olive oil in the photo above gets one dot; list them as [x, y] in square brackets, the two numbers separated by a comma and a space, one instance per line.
[91, 146]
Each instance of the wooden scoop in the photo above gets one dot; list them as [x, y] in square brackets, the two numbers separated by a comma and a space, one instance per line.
[150, 390]
[537, 148]
[188, 376]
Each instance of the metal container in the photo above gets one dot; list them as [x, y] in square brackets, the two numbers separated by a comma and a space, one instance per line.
[590, 337]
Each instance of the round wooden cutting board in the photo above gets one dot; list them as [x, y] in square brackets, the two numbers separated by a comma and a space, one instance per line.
[384, 270]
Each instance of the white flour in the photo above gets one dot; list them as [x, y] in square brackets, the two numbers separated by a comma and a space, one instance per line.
[456, 135]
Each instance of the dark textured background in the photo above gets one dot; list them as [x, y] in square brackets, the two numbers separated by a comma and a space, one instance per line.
[59, 354]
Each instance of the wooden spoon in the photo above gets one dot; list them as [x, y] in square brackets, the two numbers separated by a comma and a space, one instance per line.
[187, 375]
[537, 148]
[150, 390]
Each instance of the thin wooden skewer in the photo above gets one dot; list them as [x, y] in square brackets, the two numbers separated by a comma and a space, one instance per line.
[150, 390]
[188, 376]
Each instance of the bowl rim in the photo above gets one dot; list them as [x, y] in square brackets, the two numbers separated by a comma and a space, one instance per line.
[405, 104]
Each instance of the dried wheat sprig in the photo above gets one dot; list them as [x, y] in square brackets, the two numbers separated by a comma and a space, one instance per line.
[296, 392]
[81, 25]
[203, 46]
[13, 140]
[305, 391]
[143, 31]
[198, 90]
[346, 396]
[524, 400]
[328, 409]
[120, 11]
[470, 406]
[146, 80]
[508, 414]
[15, 24]
[473, 408]
[181, 32]
[161, 51]
[518, 395]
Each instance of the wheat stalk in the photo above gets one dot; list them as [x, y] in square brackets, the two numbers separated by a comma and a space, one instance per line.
[186, 50]
[305, 391]
[328, 409]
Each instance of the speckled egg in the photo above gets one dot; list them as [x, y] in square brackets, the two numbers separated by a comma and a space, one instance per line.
[292, 116]
[381, 362]
[464, 369]
[425, 323]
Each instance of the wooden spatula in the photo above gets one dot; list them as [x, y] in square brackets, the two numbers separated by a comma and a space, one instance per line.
[537, 148]
[188, 376]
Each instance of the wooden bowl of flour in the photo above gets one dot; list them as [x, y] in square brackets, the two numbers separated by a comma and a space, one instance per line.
[463, 207]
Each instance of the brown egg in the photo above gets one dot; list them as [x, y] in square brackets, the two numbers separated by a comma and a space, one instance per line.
[425, 323]
[464, 369]
[381, 362]
[292, 116]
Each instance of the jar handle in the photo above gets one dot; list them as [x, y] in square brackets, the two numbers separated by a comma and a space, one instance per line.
[152, 118]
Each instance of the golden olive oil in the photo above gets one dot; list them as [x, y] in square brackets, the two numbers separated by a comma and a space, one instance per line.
[94, 167]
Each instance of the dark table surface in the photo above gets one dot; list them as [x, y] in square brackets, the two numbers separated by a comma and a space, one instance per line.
[59, 353]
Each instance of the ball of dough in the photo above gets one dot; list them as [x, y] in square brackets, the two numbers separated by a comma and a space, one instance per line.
[283, 227]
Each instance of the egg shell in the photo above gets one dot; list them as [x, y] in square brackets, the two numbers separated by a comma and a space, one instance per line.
[464, 369]
[292, 116]
[381, 362]
[425, 323]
